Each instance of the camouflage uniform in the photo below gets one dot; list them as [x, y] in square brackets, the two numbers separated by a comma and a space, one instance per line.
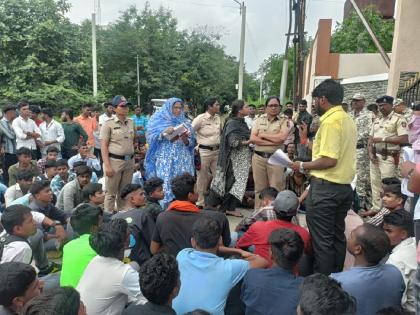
[407, 114]
[363, 120]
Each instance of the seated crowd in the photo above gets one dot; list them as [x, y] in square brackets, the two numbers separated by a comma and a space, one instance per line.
[62, 253]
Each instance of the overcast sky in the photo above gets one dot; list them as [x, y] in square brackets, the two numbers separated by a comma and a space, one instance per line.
[266, 20]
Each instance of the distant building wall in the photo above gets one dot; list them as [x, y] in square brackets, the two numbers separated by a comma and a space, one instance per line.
[354, 65]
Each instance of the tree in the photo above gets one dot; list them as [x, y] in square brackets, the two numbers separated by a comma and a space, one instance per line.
[352, 37]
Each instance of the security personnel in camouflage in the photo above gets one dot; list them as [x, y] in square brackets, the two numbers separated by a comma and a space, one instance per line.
[388, 133]
[364, 121]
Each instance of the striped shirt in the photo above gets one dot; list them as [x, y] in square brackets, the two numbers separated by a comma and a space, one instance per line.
[8, 136]
[378, 219]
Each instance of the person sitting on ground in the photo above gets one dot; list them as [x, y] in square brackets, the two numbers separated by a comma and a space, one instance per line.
[205, 276]
[173, 229]
[119, 284]
[398, 225]
[298, 183]
[24, 163]
[77, 253]
[18, 285]
[18, 241]
[63, 301]
[374, 285]
[93, 179]
[285, 205]
[63, 177]
[392, 199]
[154, 193]
[24, 182]
[141, 223]
[52, 155]
[93, 194]
[42, 198]
[159, 283]
[266, 291]
[319, 294]
[84, 155]
[265, 213]
[50, 167]
[71, 195]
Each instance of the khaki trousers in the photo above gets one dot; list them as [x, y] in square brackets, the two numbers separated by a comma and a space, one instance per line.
[122, 177]
[265, 175]
[384, 169]
[208, 164]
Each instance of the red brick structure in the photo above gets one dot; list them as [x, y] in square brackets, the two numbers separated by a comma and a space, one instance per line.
[386, 7]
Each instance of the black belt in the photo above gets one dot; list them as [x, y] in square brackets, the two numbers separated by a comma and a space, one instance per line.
[263, 154]
[316, 180]
[206, 147]
[121, 157]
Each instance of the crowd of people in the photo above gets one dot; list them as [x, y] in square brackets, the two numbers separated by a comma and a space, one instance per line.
[104, 213]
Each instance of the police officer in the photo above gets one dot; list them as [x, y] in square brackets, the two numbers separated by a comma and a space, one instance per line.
[400, 107]
[207, 128]
[269, 132]
[363, 120]
[117, 146]
[388, 133]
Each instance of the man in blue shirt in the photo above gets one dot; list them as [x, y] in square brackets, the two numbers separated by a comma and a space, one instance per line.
[206, 279]
[140, 122]
[266, 291]
[374, 285]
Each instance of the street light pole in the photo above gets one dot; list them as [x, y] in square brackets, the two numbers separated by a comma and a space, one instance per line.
[94, 62]
[241, 50]
[138, 81]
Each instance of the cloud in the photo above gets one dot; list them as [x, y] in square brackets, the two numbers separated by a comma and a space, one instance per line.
[266, 20]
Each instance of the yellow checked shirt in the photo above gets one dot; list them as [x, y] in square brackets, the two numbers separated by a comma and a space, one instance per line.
[336, 138]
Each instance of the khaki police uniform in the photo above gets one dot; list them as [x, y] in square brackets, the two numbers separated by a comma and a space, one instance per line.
[387, 154]
[266, 175]
[121, 157]
[207, 129]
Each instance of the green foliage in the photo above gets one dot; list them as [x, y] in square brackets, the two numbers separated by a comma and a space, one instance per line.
[47, 59]
[352, 37]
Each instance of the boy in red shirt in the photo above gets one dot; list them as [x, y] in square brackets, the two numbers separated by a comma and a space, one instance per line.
[285, 206]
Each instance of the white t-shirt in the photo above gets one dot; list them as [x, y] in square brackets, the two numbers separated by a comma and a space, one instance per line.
[108, 285]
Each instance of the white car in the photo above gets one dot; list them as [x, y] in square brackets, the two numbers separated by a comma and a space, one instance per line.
[158, 103]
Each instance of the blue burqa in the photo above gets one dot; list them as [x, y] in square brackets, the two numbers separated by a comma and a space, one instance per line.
[166, 159]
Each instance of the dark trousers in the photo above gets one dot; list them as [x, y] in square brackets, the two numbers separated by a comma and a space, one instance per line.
[326, 209]
[9, 160]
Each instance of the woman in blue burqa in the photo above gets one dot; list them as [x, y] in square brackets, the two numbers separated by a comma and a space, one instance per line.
[165, 158]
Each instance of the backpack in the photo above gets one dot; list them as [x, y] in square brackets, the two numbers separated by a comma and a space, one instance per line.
[8, 239]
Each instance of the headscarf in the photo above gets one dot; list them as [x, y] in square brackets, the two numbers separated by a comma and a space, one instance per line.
[156, 125]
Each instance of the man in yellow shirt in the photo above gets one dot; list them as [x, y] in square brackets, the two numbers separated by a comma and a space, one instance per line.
[333, 168]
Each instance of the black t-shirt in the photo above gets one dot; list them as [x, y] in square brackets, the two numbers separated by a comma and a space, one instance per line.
[174, 229]
[142, 225]
[148, 309]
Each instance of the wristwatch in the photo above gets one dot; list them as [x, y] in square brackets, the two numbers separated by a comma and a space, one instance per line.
[301, 169]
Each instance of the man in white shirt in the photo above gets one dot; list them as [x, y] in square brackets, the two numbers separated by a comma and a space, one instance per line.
[24, 182]
[27, 132]
[252, 116]
[52, 133]
[109, 114]
[111, 293]
[398, 225]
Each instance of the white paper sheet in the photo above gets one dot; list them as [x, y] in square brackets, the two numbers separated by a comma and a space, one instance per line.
[279, 158]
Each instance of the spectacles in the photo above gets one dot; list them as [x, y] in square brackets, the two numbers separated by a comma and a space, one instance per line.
[273, 106]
